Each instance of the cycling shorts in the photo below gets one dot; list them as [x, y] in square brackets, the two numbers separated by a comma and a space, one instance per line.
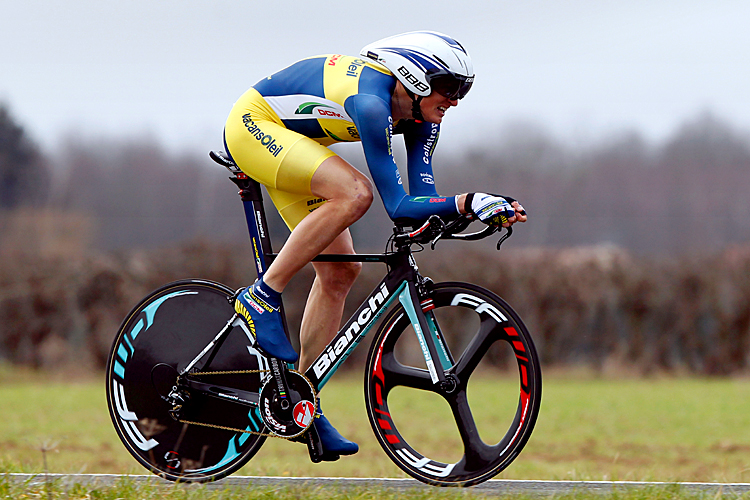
[282, 160]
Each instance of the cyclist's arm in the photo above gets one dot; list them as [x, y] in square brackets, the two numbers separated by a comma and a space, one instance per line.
[420, 140]
[372, 117]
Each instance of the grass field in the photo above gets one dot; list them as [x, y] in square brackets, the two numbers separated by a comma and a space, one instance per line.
[129, 490]
[661, 429]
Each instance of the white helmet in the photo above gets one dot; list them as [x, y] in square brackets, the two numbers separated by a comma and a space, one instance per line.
[424, 61]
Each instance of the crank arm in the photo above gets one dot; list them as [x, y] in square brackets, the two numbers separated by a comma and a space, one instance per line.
[245, 398]
[315, 446]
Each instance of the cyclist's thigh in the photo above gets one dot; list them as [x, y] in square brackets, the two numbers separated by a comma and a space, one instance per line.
[294, 207]
[336, 178]
[282, 160]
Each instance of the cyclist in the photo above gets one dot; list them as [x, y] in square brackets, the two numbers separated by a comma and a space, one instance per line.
[278, 133]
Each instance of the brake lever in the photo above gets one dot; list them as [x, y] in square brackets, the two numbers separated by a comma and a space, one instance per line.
[434, 224]
[508, 233]
[440, 230]
[434, 242]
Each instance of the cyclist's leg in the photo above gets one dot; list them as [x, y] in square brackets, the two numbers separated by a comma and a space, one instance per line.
[348, 195]
[320, 322]
[325, 304]
[299, 173]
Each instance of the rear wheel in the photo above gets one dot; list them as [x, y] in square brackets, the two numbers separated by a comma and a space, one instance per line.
[157, 340]
[475, 429]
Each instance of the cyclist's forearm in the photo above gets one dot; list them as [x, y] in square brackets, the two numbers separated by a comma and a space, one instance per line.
[422, 207]
[461, 203]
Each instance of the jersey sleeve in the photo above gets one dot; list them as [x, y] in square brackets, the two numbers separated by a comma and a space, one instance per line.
[420, 139]
[372, 117]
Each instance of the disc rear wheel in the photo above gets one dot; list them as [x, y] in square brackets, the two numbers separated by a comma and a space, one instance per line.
[156, 341]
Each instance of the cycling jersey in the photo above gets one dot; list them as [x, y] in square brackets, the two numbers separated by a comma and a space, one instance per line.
[330, 99]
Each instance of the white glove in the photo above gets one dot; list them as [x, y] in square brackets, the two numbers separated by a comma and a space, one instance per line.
[489, 208]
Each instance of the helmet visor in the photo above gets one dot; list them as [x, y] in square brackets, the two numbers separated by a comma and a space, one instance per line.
[451, 86]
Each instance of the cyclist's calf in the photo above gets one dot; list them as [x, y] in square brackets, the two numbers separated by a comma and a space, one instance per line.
[337, 278]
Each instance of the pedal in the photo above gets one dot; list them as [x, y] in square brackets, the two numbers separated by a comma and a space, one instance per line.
[315, 447]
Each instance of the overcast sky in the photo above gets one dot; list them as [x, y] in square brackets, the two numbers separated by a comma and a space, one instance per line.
[172, 69]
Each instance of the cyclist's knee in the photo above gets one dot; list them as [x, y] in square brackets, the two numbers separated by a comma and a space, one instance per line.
[361, 197]
[336, 180]
[348, 273]
[355, 193]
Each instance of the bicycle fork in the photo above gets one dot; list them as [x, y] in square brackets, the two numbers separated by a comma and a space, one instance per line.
[431, 342]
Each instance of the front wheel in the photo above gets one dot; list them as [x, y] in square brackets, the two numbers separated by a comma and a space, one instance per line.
[475, 430]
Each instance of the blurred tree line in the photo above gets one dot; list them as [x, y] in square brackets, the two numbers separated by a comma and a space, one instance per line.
[685, 194]
[662, 280]
[23, 171]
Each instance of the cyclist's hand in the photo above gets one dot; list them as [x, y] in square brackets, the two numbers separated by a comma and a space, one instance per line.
[520, 211]
[494, 209]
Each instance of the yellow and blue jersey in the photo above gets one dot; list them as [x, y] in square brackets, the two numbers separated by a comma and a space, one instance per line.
[337, 98]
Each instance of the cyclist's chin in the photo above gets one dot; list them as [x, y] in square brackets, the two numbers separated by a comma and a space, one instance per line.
[433, 118]
[433, 115]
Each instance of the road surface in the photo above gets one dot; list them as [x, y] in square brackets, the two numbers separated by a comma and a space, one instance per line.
[493, 486]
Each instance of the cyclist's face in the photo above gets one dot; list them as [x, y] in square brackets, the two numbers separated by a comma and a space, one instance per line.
[434, 107]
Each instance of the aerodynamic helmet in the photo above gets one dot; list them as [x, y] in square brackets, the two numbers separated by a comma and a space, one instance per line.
[424, 61]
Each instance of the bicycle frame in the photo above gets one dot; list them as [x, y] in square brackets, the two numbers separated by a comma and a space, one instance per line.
[170, 373]
[401, 283]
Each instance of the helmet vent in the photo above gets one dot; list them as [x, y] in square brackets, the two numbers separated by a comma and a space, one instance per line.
[440, 60]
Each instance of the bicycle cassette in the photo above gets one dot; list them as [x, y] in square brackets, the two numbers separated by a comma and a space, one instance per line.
[288, 415]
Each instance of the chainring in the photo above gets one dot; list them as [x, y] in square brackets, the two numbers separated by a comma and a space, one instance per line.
[290, 415]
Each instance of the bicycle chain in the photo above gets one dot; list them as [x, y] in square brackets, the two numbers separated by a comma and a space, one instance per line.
[245, 431]
[231, 372]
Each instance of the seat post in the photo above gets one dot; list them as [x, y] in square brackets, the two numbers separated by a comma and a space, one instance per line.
[255, 215]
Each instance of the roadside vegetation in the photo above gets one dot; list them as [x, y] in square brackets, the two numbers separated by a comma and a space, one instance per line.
[589, 428]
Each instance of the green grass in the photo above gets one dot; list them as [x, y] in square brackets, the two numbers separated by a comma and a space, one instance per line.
[130, 490]
[661, 429]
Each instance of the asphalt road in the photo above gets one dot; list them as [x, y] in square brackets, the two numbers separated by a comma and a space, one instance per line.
[493, 486]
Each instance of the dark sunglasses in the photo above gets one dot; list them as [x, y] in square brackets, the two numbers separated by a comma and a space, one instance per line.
[450, 86]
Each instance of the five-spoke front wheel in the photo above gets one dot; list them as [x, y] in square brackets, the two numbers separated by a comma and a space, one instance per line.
[481, 426]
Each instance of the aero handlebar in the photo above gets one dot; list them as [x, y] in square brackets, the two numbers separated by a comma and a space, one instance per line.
[435, 229]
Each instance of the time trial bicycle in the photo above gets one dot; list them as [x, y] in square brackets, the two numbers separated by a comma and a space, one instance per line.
[193, 398]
